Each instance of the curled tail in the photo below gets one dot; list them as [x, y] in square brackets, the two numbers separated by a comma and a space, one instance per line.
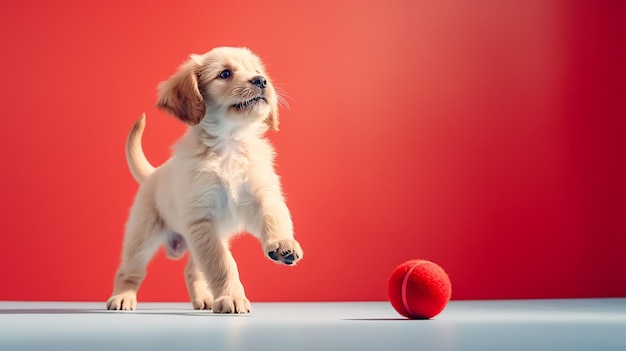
[139, 166]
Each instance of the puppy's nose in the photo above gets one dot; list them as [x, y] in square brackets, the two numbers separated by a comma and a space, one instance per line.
[259, 82]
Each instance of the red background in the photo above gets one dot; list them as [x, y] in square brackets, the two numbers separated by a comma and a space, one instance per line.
[487, 136]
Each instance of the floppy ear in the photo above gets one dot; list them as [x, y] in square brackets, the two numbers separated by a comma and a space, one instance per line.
[272, 118]
[180, 95]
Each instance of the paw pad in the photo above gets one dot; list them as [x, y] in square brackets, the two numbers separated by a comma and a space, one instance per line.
[287, 257]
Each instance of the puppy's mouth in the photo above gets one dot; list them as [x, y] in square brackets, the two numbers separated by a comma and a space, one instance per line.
[250, 102]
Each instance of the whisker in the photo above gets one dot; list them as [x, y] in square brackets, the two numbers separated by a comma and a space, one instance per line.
[282, 96]
[282, 92]
[283, 102]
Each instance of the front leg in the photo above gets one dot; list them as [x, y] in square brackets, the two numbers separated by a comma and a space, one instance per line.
[276, 233]
[215, 261]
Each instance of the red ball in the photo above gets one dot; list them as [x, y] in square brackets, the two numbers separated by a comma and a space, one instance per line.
[419, 289]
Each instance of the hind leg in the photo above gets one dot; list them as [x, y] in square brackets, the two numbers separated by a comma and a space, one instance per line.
[197, 286]
[142, 238]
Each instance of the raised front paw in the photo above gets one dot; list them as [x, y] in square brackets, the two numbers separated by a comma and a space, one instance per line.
[285, 251]
[125, 301]
[231, 304]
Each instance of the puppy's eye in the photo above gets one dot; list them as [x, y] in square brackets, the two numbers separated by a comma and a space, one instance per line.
[225, 74]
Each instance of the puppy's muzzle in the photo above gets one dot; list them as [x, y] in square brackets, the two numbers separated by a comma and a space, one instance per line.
[259, 82]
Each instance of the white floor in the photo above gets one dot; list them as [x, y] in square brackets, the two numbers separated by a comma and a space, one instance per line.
[586, 324]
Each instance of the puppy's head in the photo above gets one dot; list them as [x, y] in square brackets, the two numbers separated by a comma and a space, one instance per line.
[228, 83]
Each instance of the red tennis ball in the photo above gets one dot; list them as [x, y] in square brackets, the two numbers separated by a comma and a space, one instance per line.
[419, 289]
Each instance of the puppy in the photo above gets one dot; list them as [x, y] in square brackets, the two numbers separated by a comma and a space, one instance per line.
[220, 181]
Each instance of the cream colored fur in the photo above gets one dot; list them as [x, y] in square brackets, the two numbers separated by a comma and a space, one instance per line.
[220, 181]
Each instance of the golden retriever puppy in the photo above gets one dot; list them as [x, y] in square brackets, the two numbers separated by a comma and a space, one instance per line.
[220, 181]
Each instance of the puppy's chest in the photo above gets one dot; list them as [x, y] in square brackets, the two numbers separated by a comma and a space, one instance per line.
[231, 170]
